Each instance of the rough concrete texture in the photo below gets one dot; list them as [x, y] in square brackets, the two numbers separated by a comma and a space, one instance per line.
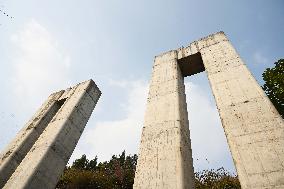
[42, 166]
[165, 159]
[23, 142]
[253, 127]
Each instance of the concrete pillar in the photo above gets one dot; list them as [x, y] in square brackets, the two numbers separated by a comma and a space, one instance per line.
[15, 152]
[253, 127]
[45, 162]
[165, 159]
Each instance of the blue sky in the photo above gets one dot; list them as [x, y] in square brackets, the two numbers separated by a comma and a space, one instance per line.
[50, 45]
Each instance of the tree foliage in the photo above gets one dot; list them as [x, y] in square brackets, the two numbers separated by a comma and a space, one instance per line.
[215, 179]
[274, 85]
[116, 173]
[119, 172]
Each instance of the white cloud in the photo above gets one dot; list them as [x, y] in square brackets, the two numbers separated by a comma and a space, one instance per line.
[113, 136]
[116, 83]
[259, 58]
[40, 65]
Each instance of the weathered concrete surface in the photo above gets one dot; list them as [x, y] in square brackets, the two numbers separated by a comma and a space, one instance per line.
[253, 127]
[15, 152]
[45, 162]
[165, 159]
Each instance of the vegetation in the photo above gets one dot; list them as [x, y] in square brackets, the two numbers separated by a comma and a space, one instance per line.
[118, 173]
[215, 179]
[274, 85]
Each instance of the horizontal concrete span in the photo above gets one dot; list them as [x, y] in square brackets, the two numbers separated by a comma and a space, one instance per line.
[40, 151]
[253, 127]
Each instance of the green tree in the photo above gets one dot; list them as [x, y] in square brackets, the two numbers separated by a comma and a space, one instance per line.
[81, 163]
[92, 164]
[216, 179]
[117, 173]
[274, 85]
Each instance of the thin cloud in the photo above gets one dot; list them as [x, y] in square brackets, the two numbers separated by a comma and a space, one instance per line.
[259, 58]
[40, 66]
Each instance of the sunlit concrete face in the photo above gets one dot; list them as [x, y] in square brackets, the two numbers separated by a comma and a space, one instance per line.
[253, 128]
[165, 155]
[37, 156]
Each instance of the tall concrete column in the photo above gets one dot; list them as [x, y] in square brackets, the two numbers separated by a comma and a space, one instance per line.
[15, 152]
[46, 160]
[253, 127]
[165, 159]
